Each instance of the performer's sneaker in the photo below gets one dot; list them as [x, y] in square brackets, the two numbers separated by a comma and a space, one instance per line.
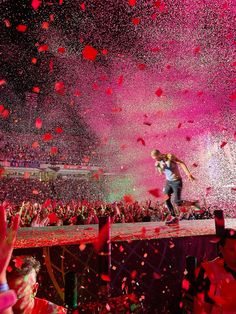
[196, 204]
[172, 221]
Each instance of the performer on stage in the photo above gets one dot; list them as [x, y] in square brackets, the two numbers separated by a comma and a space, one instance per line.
[167, 164]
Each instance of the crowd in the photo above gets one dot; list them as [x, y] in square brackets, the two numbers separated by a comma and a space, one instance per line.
[57, 213]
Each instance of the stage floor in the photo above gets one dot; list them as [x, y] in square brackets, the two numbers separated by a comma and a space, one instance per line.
[67, 235]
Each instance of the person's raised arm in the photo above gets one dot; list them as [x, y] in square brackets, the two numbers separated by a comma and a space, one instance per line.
[184, 167]
[7, 240]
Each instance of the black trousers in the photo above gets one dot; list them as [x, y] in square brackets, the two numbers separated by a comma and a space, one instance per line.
[173, 187]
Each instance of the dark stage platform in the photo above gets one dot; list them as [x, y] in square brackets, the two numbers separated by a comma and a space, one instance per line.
[68, 235]
[147, 259]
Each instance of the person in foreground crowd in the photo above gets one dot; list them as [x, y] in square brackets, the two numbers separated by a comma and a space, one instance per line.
[167, 164]
[7, 240]
[216, 279]
[22, 277]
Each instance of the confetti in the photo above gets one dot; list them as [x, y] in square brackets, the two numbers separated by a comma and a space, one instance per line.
[38, 123]
[82, 6]
[136, 20]
[155, 192]
[222, 145]
[141, 140]
[36, 4]
[132, 3]
[159, 92]
[89, 53]
[2, 82]
[47, 137]
[43, 48]
[21, 28]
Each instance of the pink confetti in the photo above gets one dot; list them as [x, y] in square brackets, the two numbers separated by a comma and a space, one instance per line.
[38, 123]
[156, 275]
[5, 114]
[7, 23]
[2, 82]
[197, 50]
[82, 6]
[141, 66]
[104, 52]
[185, 284]
[35, 145]
[89, 53]
[60, 2]
[21, 28]
[36, 4]
[141, 140]
[159, 92]
[60, 88]
[120, 80]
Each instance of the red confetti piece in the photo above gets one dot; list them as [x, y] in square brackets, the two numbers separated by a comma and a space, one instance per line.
[200, 93]
[36, 4]
[234, 64]
[60, 88]
[159, 5]
[38, 123]
[47, 203]
[82, 247]
[54, 150]
[235, 135]
[61, 50]
[208, 190]
[185, 284]
[147, 123]
[35, 192]
[36, 89]
[159, 92]
[21, 28]
[86, 159]
[7, 23]
[2, 170]
[19, 261]
[105, 277]
[195, 165]
[60, 2]
[156, 275]
[35, 145]
[89, 53]
[188, 138]
[43, 48]
[51, 17]
[168, 66]
[26, 175]
[77, 93]
[136, 20]
[34, 60]
[104, 52]
[116, 109]
[223, 144]
[155, 49]
[179, 125]
[155, 192]
[232, 97]
[9, 269]
[109, 91]
[95, 86]
[134, 274]
[82, 6]
[132, 3]
[2, 82]
[47, 137]
[141, 66]
[120, 80]
[140, 139]
[121, 249]
[197, 50]
[1, 108]
[233, 189]
[5, 113]
[128, 198]
[59, 130]
[190, 121]
[45, 25]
